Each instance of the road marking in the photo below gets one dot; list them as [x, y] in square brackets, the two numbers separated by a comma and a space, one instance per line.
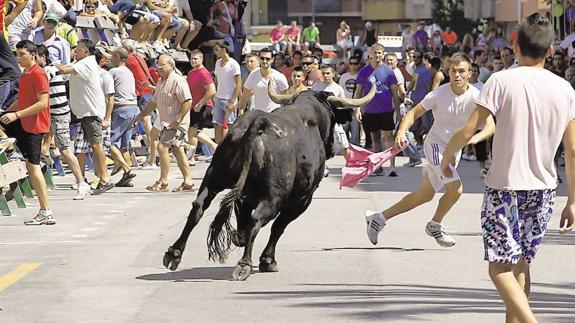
[16, 274]
[100, 223]
[89, 230]
[80, 236]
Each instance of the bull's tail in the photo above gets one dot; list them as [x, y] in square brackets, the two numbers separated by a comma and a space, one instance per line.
[222, 233]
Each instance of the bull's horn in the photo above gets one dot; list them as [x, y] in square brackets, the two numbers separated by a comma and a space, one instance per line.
[278, 98]
[344, 102]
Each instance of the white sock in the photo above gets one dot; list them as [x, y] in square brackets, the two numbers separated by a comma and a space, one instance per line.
[434, 223]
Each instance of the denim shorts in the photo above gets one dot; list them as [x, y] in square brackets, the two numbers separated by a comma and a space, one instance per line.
[174, 23]
[122, 126]
[514, 223]
[219, 112]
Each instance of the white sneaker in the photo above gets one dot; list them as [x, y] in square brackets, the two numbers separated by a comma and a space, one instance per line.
[375, 223]
[83, 189]
[484, 172]
[437, 231]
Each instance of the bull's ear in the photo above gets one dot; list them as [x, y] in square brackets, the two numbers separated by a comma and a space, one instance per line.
[351, 103]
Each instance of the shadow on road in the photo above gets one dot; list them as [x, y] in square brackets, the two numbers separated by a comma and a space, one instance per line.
[194, 274]
[404, 301]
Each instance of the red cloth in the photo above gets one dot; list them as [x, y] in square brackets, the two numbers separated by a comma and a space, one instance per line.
[360, 163]
[197, 81]
[31, 83]
[277, 34]
[139, 68]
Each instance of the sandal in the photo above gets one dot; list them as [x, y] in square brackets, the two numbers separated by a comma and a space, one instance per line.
[158, 187]
[184, 188]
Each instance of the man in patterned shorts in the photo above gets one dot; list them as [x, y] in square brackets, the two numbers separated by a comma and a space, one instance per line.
[534, 110]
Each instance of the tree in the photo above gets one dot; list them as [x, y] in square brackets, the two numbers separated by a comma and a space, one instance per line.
[450, 13]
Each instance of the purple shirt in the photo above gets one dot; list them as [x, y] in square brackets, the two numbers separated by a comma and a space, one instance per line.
[383, 77]
[421, 39]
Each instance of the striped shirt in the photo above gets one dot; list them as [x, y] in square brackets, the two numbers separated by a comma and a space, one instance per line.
[169, 96]
[58, 97]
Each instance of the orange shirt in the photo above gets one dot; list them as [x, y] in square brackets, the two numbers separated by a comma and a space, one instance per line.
[450, 38]
[31, 83]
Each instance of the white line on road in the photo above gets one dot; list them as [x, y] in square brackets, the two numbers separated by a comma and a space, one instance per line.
[81, 236]
[100, 223]
[89, 229]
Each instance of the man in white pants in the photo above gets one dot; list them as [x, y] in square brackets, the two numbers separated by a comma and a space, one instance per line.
[451, 105]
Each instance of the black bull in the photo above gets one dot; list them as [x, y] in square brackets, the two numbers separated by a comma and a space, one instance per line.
[273, 163]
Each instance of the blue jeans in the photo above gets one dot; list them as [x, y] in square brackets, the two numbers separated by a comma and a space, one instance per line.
[122, 125]
[220, 110]
[123, 6]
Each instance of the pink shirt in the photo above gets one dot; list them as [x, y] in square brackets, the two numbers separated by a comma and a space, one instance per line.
[277, 34]
[293, 33]
[223, 21]
[169, 96]
[198, 80]
[533, 108]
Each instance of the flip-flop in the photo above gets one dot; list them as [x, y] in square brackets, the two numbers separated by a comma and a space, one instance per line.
[184, 188]
[158, 187]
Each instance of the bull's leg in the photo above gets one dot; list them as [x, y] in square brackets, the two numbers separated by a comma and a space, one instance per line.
[173, 256]
[265, 211]
[243, 217]
[267, 259]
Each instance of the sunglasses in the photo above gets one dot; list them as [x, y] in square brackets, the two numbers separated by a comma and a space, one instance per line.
[265, 58]
[90, 7]
[306, 63]
[353, 63]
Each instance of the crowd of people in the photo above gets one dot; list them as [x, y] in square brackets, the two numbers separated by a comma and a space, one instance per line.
[85, 99]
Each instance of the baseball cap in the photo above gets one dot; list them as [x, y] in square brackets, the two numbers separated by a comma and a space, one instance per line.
[52, 16]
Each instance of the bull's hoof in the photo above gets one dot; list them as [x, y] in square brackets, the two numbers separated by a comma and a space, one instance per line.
[172, 258]
[268, 267]
[242, 272]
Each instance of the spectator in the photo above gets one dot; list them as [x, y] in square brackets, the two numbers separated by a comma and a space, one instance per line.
[480, 58]
[280, 63]
[23, 24]
[508, 58]
[257, 85]
[310, 67]
[58, 47]
[19, 6]
[9, 74]
[440, 72]
[277, 37]
[228, 76]
[60, 119]
[377, 116]
[310, 35]
[420, 38]
[28, 119]
[165, 11]
[252, 62]
[296, 56]
[419, 87]
[190, 26]
[449, 37]
[173, 100]
[406, 39]
[474, 78]
[225, 14]
[87, 102]
[343, 38]
[143, 22]
[297, 81]
[369, 35]
[120, 114]
[570, 74]
[497, 64]
[559, 64]
[293, 37]
[436, 43]
[348, 83]
[468, 44]
[203, 90]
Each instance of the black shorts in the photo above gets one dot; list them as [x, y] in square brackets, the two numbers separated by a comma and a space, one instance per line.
[29, 144]
[202, 119]
[378, 121]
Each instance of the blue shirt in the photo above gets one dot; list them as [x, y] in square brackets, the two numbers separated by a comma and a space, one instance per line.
[383, 77]
[423, 83]
[59, 50]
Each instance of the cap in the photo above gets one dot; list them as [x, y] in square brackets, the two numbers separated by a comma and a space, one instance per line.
[52, 16]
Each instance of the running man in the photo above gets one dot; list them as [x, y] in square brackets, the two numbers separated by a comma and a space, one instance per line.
[534, 110]
[451, 105]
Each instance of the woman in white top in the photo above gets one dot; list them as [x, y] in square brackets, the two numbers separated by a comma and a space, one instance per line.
[343, 37]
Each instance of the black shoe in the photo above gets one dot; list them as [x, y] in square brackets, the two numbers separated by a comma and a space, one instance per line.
[392, 173]
[126, 178]
[103, 188]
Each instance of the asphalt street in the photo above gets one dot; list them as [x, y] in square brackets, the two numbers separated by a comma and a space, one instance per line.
[102, 261]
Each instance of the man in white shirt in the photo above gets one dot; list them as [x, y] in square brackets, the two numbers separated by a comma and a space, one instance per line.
[450, 104]
[87, 102]
[228, 90]
[535, 110]
[257, 84]
[348, 82]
